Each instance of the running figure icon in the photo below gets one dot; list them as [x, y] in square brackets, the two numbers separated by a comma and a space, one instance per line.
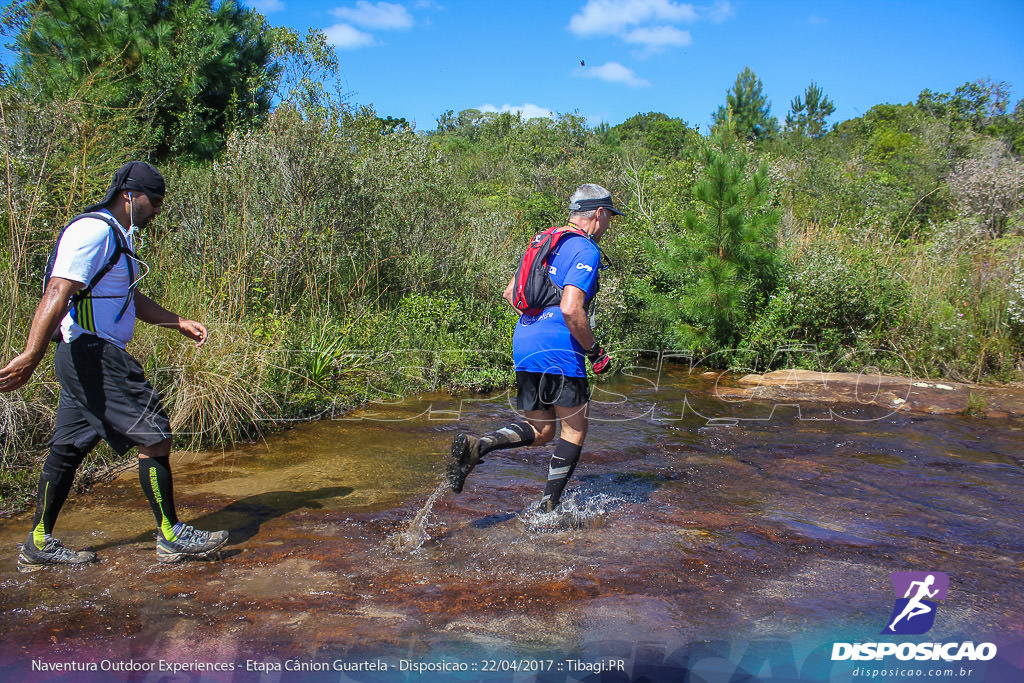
[915, 607]
[917, 599]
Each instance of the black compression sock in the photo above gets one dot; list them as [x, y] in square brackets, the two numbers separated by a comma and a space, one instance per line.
[155, 478]
[54, 486]
[563, 463]
[515, 435]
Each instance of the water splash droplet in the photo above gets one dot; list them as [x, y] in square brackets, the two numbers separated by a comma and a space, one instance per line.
[574, 512]
[411, 538]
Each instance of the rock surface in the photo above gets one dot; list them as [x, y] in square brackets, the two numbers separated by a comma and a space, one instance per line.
[904, 394]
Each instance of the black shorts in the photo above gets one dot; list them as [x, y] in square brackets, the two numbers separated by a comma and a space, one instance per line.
[541, 391]
[104, 394]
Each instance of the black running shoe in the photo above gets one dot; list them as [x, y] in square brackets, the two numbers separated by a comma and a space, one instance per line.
[464, 456]
[547, 506]
[191, 544]
[33, 559]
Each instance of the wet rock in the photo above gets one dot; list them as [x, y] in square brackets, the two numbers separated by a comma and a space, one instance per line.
[884, 391]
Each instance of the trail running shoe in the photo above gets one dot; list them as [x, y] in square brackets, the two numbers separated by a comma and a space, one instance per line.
[33, 559]
[191, 543]
[464, 456]
[547, 507]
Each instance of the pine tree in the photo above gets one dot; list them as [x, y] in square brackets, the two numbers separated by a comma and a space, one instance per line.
[807, 114]
[724, 261]
[191, 69]
[748, 108]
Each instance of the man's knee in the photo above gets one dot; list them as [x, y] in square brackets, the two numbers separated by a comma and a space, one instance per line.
[575, 435]
[157, 450]
[64, 458]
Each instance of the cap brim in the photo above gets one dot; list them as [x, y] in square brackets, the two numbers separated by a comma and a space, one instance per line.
[616, 211]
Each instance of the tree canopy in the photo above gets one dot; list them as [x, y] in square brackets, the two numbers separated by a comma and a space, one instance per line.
[748, 108]
[663, 136]
[190, 69]
[807, 114]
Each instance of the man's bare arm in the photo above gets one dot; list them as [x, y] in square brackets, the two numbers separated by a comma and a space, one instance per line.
[575, 314]
[151, 312]
[509, 292]
[49, 312]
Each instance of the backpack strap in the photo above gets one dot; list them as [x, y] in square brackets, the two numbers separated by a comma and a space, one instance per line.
[121, 248]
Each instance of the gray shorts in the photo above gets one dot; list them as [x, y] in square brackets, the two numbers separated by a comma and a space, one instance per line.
[104, 394]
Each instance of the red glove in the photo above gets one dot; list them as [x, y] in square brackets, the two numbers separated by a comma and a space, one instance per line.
[599, 360]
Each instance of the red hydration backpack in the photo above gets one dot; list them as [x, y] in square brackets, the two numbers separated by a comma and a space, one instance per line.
[533, 290]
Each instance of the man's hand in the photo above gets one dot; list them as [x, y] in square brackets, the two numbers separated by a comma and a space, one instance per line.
[149, 311]
[18, 372]
[48, 313]
[599, 359]
[193, 330]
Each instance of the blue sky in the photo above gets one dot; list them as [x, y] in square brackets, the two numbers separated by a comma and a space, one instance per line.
[419, 58]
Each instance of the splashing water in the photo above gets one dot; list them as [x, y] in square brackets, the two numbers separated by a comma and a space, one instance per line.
[412, 537]
[574, 512]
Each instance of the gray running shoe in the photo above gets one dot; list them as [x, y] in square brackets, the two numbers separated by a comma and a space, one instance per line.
[33, 559]
[464, 456]
[191, 544]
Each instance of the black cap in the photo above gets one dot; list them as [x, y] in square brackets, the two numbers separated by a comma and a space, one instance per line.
[135, 175]
[581, 205]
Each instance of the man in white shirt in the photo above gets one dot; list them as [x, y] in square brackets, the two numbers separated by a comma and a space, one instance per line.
[104, 394]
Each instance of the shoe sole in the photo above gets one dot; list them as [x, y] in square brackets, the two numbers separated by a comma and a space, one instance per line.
[27, 566]
[170, 558]
[458, 457]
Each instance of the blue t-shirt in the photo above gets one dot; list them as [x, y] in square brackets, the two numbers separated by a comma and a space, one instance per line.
[543, 343]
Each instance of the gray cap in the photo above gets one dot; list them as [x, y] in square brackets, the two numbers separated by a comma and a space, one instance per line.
[604, 201]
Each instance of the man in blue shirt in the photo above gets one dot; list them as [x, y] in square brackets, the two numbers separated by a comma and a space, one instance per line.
[549, 351]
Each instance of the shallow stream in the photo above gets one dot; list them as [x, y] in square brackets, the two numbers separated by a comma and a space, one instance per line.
[697, 533]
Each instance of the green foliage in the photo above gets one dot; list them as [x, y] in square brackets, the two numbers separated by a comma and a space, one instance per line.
[660, 135]
[844, 299]
[882, 172]
[188, 69]
[748, 109]
[339, 256]
[724, 262]
[974, 104]
[300, 69]
[807, 114]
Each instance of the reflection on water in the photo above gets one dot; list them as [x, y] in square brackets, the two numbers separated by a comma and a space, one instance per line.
[689, 520]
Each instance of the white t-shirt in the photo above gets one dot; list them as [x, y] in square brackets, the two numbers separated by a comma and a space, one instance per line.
[84, 249]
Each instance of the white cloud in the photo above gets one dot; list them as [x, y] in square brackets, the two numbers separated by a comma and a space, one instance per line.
[720, 11]
[527, 111]
[347, 37]
[652, 24]
[267, 6]
[612, 16]
[383, 15]
[659, 36]
[613, 72]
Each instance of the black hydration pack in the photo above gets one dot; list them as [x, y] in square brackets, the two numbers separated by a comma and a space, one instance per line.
[121, 249]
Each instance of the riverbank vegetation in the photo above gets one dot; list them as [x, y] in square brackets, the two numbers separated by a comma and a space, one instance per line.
[339, 254]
